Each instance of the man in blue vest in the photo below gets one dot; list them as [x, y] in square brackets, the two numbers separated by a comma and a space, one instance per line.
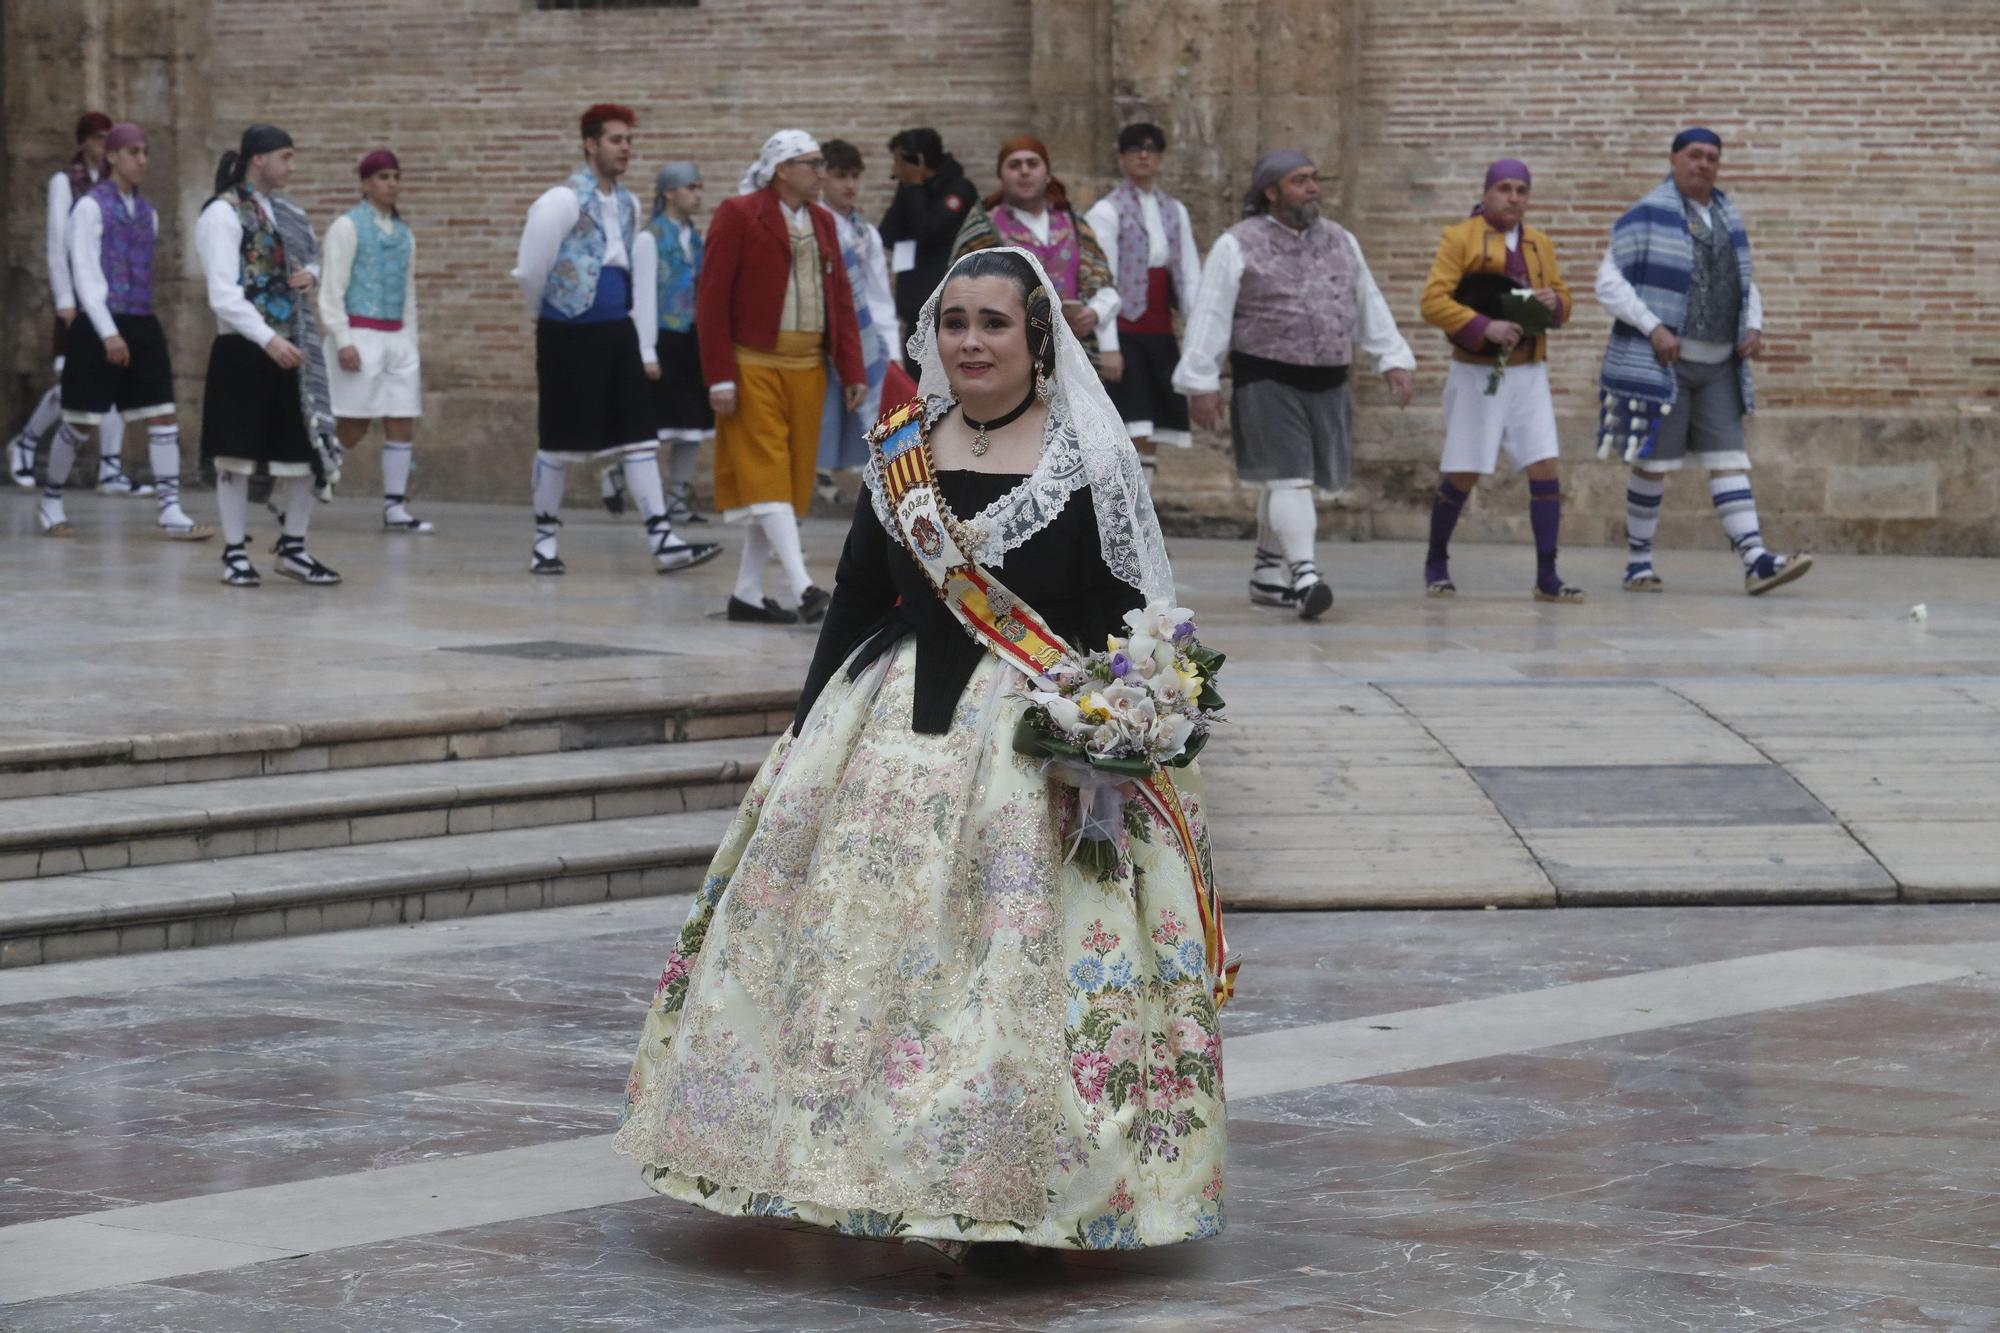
[368, 308]
[575, 268]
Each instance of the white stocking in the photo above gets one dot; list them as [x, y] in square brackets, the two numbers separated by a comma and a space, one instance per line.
[781, 529]
[1294, 522]
[750, 573]
[232, 504]
[298, 504]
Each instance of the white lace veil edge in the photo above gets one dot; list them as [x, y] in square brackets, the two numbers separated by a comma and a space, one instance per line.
[1086, 445]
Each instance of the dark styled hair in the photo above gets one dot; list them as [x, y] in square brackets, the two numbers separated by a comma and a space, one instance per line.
[1034, 298]
[1142, 134]
[840, 155]
[595, 118]
[922, 144]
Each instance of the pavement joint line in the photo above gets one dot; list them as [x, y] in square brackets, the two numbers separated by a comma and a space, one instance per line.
[1555, 894]
[236, 1228]
[1834, 815]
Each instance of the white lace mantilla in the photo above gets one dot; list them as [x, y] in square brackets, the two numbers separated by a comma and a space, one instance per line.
[1085, 444]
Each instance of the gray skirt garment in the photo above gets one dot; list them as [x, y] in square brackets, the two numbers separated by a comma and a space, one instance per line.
[1285, 434]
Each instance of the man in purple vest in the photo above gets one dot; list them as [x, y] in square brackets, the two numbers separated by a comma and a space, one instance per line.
[68, 185]
[115, 356]
[1287, 296]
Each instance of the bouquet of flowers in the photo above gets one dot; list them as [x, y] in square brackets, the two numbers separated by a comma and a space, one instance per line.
[1147, 701]
[1522, 307]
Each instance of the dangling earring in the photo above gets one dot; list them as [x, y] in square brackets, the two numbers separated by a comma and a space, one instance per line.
[1041, 384]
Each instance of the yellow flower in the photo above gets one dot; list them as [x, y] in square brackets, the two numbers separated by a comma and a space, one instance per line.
[1095, 708]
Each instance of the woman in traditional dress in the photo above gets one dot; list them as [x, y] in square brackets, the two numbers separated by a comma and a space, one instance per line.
[898, 1008]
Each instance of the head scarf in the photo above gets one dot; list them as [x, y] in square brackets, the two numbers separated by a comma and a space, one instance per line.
[672, 177]
[122, 134]
[1696, 134]
[379, 160]
[779, 149]
[1508, 169]
[1270, 169]
[235, 164]
[1058, 197]
[1086, 446]
[89, 123]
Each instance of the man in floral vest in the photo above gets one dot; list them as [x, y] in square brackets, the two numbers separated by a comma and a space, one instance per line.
[1031, 210]
[576, 271]
[115, 356]
[368, 309]
[1287, 297]
[252, 422]
[1148, 243]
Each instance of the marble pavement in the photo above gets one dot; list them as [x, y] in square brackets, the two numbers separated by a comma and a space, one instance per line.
[1700, 746]
[1644, 1111]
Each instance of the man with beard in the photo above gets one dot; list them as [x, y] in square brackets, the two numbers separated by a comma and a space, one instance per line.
[1287, 296]
[575, 269]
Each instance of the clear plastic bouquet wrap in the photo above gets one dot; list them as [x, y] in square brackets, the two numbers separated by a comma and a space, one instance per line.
[1145, 702]
[1523, 307]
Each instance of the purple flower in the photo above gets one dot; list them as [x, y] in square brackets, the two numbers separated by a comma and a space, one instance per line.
[1184, 631]
[1121, 665]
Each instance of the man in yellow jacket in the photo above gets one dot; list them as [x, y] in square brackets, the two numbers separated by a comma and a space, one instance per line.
[1479, 261]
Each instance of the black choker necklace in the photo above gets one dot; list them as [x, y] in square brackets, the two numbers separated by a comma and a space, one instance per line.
[980, 444]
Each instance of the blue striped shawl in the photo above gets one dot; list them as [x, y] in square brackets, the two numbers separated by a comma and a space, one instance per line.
[1654, 249]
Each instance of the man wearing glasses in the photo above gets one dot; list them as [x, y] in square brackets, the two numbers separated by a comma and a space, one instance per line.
[933, 199]
[1148, 243]
[771, 309]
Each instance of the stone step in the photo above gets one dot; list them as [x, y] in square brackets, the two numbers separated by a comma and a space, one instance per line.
[200, 903]
[584, 722]
[43, 836]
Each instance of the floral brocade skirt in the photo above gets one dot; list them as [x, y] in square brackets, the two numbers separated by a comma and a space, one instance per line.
[895, 1010]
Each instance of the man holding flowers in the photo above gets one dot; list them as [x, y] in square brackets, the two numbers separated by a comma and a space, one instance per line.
[1495, 290]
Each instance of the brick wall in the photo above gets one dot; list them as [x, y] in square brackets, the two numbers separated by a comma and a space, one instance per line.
[1862, 144]
[1863, 147]
[480, 100]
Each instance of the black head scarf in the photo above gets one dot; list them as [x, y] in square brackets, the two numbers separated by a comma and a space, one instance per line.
[235, 164]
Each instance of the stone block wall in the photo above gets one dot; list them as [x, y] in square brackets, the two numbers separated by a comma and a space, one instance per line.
[1863, 145]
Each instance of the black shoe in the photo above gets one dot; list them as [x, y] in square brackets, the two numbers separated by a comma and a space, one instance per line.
[770, 613]
[813, 604]
[1315, 600]
[295, 563]
[546, 564]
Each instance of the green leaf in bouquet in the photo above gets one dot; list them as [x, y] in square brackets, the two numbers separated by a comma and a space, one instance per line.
[1206, 660]
[1210, 701]
[1189, 751]
[1534, 318]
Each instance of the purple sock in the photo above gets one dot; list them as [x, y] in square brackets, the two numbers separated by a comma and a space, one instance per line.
[1545, 512]
[1444, 517]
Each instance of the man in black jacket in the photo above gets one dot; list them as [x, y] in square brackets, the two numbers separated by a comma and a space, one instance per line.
[932, 199]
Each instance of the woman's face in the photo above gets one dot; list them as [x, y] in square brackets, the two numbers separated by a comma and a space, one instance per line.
[983, 338]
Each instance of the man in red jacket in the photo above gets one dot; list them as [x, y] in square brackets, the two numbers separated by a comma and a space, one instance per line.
[772, 306]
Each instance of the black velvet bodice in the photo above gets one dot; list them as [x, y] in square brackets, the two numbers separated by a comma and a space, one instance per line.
[880, 596]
